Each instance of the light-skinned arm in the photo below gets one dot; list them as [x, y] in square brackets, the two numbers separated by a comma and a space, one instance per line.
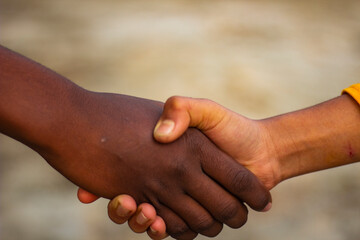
[275, 149]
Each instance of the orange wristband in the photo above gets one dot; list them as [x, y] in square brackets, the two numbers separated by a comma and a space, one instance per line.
[353, 91]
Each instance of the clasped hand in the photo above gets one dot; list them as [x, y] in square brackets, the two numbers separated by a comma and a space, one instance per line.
[204, 205]
[104, 143]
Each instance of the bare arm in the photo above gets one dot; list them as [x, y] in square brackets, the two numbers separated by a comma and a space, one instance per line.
[103, 142]
[320, 137]
[275, 149]
[34, 100]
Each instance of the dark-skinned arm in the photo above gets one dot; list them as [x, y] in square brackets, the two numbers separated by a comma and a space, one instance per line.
[103, 143]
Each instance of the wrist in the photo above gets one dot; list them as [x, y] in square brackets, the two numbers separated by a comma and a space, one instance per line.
[45, 121]
[66, 118]
[316, 138]
[272, 148]
[282, 146]
[34, 101]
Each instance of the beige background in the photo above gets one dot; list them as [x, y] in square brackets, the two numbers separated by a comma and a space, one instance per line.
[259, 58]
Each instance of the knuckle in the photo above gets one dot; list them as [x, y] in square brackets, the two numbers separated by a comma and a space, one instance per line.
[214, 233]
[198, 143]
[153, 187]
[246, 185]
[203, 223]
[198, 186]
[209, 103]
[176, 170]
[241, 181]
[206, 101]
[176, 102]
[180, 169]
[239, 222]
[178, 231]
[229, 211]
[262, 200]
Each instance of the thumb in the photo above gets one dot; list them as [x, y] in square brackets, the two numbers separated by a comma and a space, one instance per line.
[86, 197]
[182, 112]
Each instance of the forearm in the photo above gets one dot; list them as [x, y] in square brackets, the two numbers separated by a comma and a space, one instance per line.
[57, 118]
[67, 125]
[33, 100]
[324, 136]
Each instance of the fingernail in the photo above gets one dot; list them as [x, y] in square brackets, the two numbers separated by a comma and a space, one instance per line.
[141, 219]
[121, 211]
[268, 207]
[164, 128]
[153, 231]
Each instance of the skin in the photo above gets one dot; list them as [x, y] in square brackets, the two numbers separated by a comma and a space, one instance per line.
[103, 143]
[275, 149]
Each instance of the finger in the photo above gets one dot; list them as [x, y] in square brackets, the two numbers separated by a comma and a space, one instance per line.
[181, 112]
[121, 208]
[145, 215]
[175, 226]
[236, 179]
[157, 229]
[85, 196]
[196, 216]
[220, 203]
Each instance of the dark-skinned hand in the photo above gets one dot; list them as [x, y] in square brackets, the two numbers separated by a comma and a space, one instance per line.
[103, 143]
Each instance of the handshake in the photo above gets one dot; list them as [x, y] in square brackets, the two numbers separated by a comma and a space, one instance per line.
[195, 185]
[191, 174]
[207, 183]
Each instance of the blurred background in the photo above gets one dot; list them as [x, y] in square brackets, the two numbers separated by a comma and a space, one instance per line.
[260, 58]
